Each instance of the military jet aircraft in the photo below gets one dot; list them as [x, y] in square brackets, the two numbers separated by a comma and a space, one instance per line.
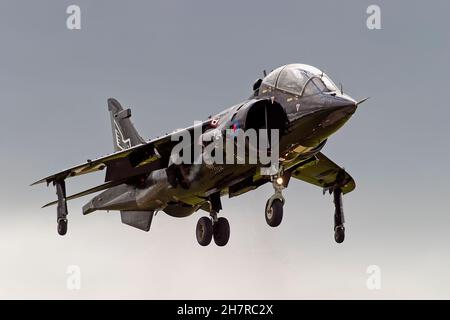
[299, 100]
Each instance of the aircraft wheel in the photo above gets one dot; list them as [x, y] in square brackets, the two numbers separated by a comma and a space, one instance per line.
[221, 232]
[204, 231]
[274, 214]
[62, 227]
[339, 234]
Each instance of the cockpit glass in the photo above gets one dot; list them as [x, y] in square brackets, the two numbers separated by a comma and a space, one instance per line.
[271, 78]
[320, 85]
[317, 85]
[294, 77]
[314, 86]
[328, 83]
[292, 80]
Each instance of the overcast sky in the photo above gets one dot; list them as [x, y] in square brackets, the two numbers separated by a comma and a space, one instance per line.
[175, 62]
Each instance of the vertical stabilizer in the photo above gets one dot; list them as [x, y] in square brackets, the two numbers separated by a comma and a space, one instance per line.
[124, 133]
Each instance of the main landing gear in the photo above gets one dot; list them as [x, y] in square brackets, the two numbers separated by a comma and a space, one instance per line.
[213, 227]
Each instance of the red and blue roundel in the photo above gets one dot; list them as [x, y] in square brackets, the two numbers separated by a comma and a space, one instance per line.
[234, 127]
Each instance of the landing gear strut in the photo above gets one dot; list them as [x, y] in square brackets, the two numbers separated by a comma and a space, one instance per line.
[274, 206]
[213, 227]
[61, 211]
[339, 230]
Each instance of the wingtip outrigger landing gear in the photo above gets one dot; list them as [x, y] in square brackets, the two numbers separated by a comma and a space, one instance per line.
[213, 227]
[61, 211]
[339, 229]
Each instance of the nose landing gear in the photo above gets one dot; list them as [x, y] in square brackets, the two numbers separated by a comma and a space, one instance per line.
[274, 206]
[274, 212]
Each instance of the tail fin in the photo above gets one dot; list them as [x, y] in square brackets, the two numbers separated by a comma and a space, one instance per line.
[124, 134]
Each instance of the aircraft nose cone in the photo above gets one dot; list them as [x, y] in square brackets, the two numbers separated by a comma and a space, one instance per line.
[336, 112]
[344, 104]
[347, 110]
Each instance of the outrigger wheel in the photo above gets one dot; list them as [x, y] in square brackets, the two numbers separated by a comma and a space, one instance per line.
[339, 234]
[339, 230]
[62, 226]
[61, 210]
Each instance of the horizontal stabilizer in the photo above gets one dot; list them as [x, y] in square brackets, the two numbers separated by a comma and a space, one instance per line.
[137, 219]
[86, 192]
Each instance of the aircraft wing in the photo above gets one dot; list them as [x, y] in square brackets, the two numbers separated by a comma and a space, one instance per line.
[144, 152]
[101, 187]
[130, 162]
[324, 173]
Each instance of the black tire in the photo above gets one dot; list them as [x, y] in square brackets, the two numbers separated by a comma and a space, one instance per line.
[221, 232]
[62, 227]
[339, 234]
[274, 214]
[204, 231]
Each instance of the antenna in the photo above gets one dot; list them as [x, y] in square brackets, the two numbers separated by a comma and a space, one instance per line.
[361, 101]
[342, 88]
[264, 73]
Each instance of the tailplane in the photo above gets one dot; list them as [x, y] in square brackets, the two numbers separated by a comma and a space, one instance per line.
[124, 133]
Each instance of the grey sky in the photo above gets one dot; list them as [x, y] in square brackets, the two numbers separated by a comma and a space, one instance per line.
[175, 62]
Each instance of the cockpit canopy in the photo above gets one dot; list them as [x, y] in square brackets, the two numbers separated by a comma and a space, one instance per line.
[300, 79]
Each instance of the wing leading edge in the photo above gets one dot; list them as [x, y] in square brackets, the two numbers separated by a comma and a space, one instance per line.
[101, 163]
[136, 157]
[324, 173]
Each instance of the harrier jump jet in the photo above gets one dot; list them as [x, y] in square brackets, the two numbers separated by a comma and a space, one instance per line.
[300, 101]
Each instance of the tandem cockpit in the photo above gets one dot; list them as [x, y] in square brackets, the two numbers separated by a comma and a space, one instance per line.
[306, 92]
[300, 80]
